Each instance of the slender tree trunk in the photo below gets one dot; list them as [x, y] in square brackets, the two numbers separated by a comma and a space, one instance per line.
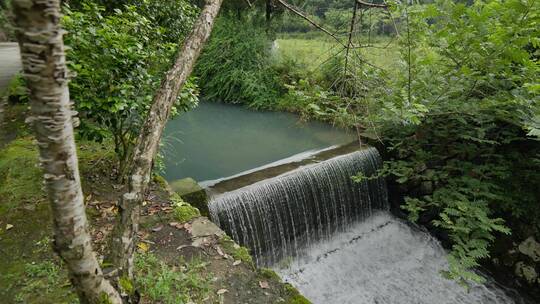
[125, 231]
[268, 15]
[42, 52]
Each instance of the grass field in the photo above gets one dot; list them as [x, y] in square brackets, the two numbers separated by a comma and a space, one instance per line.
[313, 52]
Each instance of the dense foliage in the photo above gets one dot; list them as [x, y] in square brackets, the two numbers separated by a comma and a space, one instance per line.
[472, 100]
[236, 64]
[119, 58]
[6, 29]
[335, 15]
[459, 119]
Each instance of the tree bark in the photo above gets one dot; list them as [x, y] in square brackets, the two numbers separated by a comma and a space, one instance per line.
[126, 228]
[42, 51]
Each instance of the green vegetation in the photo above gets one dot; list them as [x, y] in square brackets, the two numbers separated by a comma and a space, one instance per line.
[7, 32]
[310, 53]
[237, 252]
[294, 296]
[449, 91]
[157, 281]
[119, 57]
[183, 211]
[16, 91]
[38, 279]
[453, 100]
[45, 280]
[235, 65]
[335, 16]
[458, 118]
[20, 178]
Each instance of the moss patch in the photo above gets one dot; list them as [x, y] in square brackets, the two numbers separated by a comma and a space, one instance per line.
[236, 251]
[20, 178]
[191, 192]
[37, 278]
[30, 272]
[183, 211]
[294, 296]
[269, 274]
[161, 182]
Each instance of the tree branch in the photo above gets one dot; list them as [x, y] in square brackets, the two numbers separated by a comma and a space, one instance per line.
[371, 5]
[305, 17]
[126, 228]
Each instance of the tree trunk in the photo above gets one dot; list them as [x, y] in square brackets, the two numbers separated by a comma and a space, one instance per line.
[42, 52]
[125, 231]
[268, 15]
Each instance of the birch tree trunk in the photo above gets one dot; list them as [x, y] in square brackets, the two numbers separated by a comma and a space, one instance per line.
[42, 52]
[126, 228]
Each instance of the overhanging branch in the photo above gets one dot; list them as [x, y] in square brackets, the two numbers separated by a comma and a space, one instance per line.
[369, 4]
[305, 17]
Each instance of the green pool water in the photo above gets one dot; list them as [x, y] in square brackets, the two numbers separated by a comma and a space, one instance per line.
[219, 140]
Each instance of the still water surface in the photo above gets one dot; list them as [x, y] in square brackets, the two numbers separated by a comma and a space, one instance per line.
[218, 140]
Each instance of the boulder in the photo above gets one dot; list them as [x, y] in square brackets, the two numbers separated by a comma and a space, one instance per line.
[191, 192]
[531, 248]
[526, 272]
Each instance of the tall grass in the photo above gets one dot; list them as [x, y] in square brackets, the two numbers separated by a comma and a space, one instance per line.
[235, 66]
[314, 50]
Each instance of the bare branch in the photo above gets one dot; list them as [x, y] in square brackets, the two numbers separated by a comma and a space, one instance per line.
[371, 5]
[349, 42]
[305, 17]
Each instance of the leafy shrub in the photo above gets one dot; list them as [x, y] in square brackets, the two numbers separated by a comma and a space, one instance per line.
[459, 120]
[235, 66]
[457, 125]
[119, 58]
[7, 32]
[17, 91]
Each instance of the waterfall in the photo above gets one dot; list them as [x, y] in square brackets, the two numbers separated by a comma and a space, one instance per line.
[284, 215]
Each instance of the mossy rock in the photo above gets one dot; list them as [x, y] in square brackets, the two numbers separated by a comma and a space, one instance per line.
[183, 211]
[294, 295]
[191, 192]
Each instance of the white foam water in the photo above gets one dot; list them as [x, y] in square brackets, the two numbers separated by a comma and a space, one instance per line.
[382, 260]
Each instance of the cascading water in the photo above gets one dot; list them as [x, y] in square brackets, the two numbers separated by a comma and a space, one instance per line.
[279, 217]
[335, 240]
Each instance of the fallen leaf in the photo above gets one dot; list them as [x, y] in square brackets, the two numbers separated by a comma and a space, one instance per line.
[236, 263]
[219, 251]
[222, 291]
[157, 229]
[188, 227]
[9, 226]
[264, 284]
[143, 247]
